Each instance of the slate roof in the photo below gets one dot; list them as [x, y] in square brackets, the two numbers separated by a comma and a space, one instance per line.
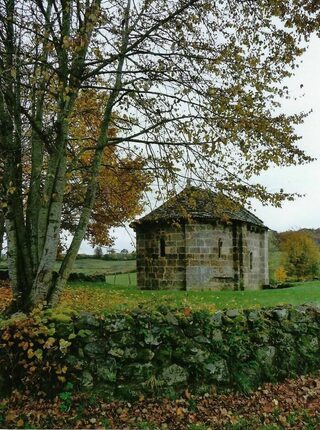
[198, 204]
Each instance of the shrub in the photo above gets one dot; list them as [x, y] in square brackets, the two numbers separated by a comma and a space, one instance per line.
[280, 274]
[34, 351]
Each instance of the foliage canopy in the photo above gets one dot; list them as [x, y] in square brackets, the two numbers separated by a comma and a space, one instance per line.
[192, 86]
[301, 254]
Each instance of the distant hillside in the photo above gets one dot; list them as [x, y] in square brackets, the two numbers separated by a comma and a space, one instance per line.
[315, 233]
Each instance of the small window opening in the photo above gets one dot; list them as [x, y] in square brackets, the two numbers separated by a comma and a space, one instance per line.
[251, 260]
[162, 247]
[219, 247]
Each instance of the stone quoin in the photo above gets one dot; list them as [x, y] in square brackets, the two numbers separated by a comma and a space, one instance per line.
[201, 240]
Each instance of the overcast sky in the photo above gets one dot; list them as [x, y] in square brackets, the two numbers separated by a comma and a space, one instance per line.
[305, 211]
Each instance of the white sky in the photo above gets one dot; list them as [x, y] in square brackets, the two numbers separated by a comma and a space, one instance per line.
[305, 211]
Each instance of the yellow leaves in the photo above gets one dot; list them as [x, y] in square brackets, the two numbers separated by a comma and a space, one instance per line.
[39, 354]
[301, 254]
[280, 274]
[67, 42]
[68, 188]
[118, 176]
[180, 412]
[96, 299]
[253, 61]
[11, 416]
[30, 353]
[24, 345]
[63, 345]
[97, 53]
[6, 336]
[187, 394]
[11, 190]
[93, 16]
[49, 342]
[29, 345]
[20, 423]
[61, 371]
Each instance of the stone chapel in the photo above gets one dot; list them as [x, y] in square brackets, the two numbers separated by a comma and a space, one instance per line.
[195, 241]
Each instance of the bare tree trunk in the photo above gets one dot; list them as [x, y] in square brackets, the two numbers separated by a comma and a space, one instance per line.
[69, 259]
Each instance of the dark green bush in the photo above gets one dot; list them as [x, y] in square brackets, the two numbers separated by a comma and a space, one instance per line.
[85, 277]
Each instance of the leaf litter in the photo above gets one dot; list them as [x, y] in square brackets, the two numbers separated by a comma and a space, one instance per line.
[291, 404]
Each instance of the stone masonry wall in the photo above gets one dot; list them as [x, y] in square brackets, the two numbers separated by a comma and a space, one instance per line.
[205, 269]
[216, 256]
[255, 275]
[118, 355]
[161, 272]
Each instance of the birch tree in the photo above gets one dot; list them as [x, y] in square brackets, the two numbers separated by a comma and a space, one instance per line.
[194, 86]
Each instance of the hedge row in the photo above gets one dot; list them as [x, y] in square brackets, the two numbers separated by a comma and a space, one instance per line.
[157, 353]
[85, 277]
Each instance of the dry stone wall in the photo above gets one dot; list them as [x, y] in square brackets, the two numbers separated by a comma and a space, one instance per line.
[158, 353]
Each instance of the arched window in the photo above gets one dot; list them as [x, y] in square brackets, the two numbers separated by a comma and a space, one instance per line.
[251, 260]
[162, 247]
[219, 247]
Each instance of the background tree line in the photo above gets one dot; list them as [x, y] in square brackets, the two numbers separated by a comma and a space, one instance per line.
[294, 255]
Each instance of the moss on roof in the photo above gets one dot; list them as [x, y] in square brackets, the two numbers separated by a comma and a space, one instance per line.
[194, 203]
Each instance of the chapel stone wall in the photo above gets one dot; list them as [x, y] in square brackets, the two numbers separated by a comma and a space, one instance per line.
[210, 257]
[161, 257]
[202, 256]
[255, 257]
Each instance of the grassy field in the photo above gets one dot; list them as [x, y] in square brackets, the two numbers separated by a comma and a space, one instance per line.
[110, 297]
[95, 265]
[120, 292]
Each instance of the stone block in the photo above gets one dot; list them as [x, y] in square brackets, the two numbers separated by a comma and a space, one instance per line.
[218, 370]
[174, 375]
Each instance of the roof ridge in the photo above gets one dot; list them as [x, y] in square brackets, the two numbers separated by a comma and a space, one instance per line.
[205, 207]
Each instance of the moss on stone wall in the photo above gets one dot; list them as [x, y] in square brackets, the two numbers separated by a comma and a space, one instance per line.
[158, 353]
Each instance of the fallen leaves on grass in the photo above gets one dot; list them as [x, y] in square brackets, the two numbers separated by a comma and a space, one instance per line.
[293, 404]
[5, 294]
[99, 299]
[96, 299]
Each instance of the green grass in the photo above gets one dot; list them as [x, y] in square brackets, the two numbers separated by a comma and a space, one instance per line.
[109, 297]
[95, 265]
[123, 279]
